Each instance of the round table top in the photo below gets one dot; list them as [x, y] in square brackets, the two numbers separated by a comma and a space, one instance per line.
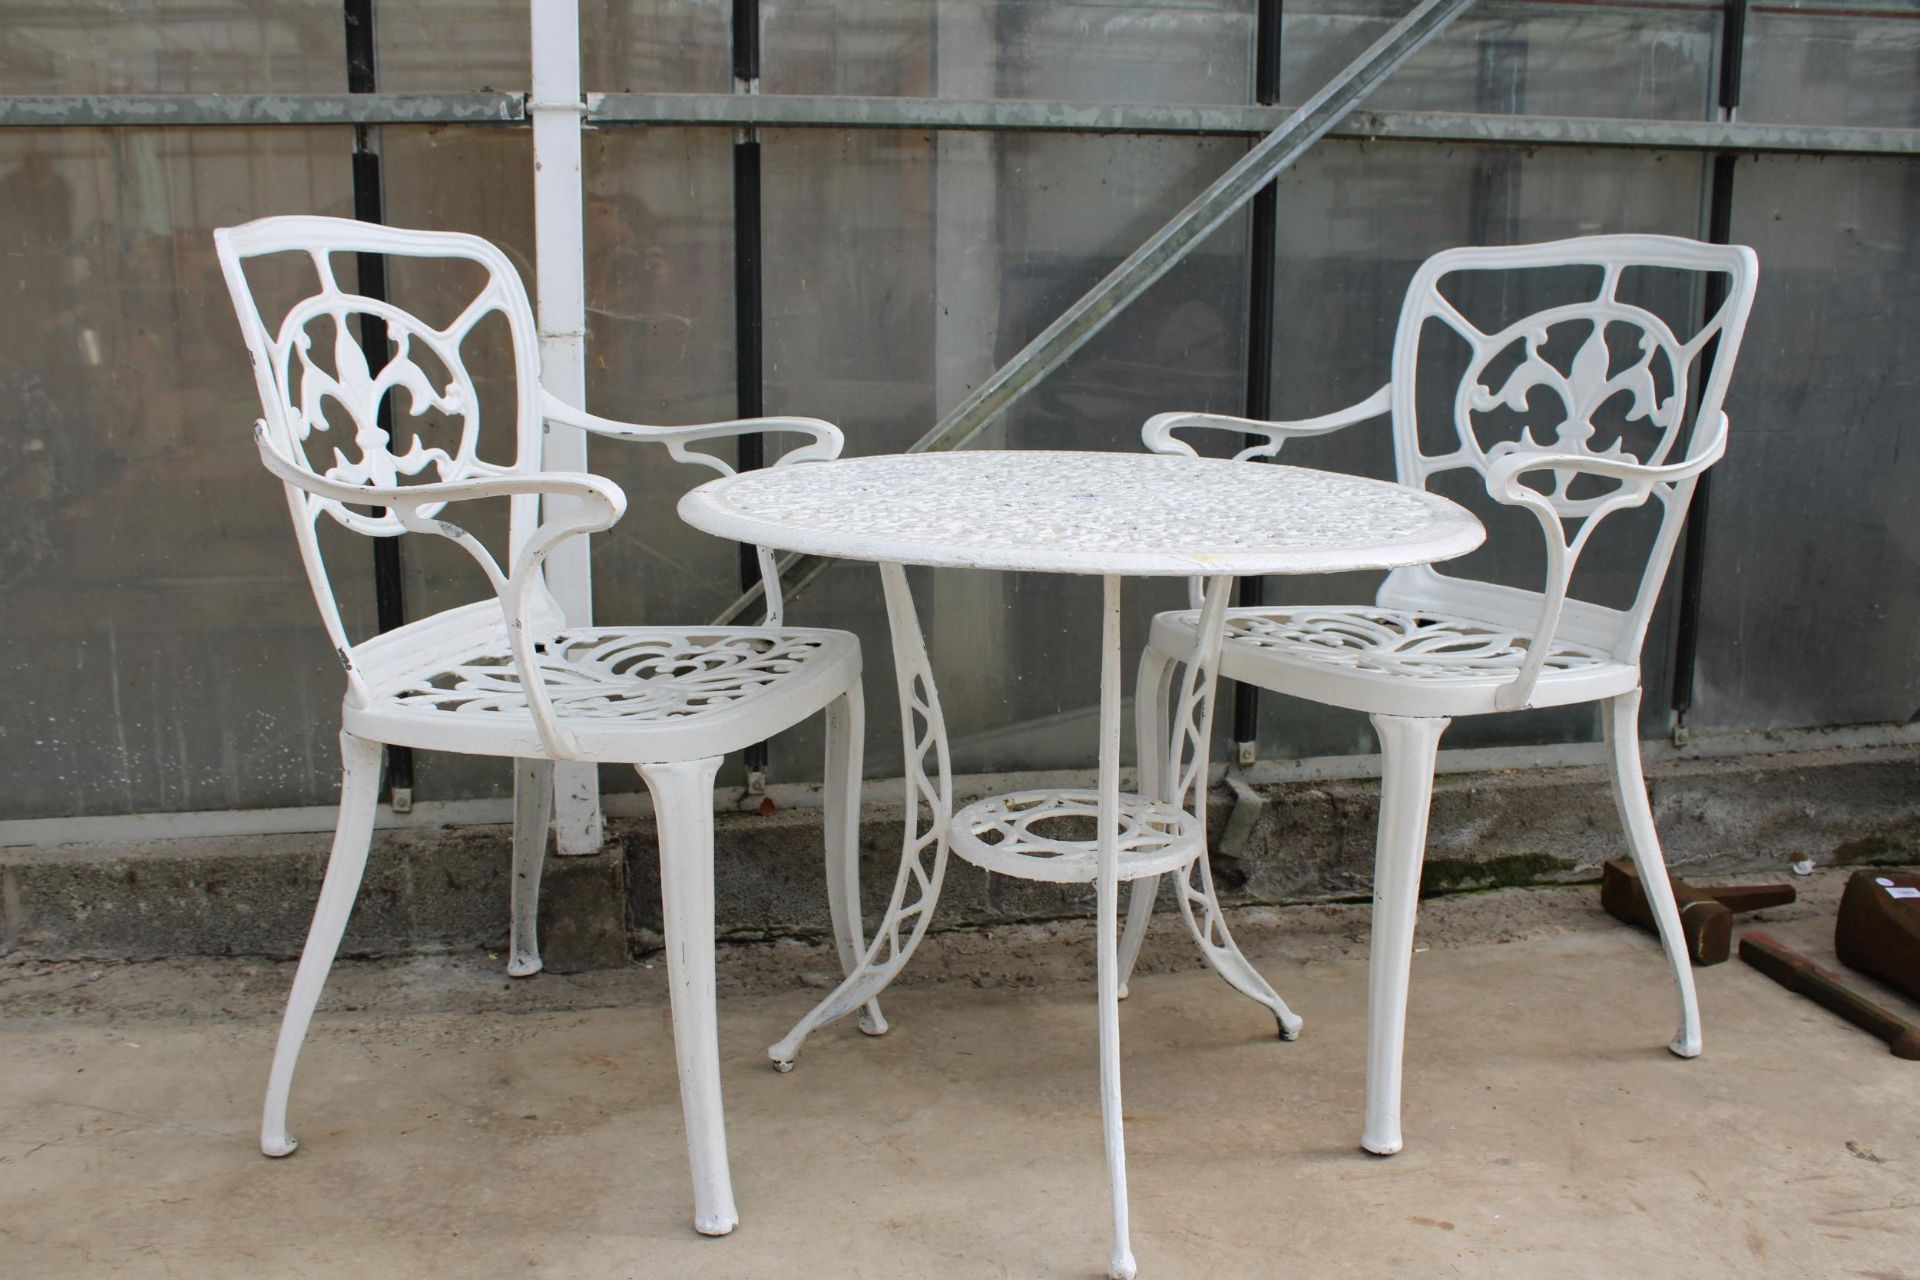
[1134, 514]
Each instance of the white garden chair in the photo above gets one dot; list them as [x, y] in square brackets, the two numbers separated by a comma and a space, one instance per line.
[507, 676]
[1432, 645]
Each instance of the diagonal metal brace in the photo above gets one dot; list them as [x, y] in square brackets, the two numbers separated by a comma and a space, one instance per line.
[1166, 247]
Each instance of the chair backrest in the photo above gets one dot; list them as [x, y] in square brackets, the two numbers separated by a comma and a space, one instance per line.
[321, 400]
[1595, 374]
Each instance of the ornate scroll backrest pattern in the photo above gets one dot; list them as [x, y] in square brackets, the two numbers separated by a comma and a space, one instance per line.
[1557, 373]
[321, 400]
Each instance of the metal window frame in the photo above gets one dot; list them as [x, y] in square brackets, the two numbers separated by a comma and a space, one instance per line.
[822, 111]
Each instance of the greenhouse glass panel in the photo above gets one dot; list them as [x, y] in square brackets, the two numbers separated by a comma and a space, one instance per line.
[1500, 57]
[161, 648]
[1076, 50]
[174, 46]
[1826, 63]
[1812, 547]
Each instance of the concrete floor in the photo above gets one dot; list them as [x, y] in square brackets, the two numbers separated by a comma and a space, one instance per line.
[458, 1125]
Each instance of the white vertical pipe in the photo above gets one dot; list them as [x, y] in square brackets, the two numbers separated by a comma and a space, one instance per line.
[561, 308]
[1107, 926]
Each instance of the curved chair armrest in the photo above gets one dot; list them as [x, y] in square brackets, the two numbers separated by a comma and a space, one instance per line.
[826, 446]
[1158, 435]
[1503, 473]
[600, 504]
[827, 438]
[1637, 483]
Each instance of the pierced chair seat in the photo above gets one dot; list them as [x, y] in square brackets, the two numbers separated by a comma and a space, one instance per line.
[1396, 661]
[628, 695]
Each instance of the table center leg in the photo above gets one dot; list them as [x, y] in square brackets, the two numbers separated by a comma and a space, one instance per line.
[1107, 925]
[923, 856]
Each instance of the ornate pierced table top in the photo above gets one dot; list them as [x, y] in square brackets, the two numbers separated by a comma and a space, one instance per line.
[1137, 514]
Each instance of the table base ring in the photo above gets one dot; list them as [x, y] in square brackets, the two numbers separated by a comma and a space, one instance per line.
[1052, 836]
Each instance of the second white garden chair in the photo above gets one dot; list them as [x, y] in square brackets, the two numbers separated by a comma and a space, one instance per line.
[506, 676]
[1432, 646]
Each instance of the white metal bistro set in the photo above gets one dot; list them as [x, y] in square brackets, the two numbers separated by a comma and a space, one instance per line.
[509, 676]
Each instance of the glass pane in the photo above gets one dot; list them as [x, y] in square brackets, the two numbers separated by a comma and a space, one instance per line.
[912, 266]
[660, 350]
[1072, 50]
[453, 46]
[1813, 561]
[174, 46]
[1833, 64]
[159, 649]
[1572, 59]
[1356, 222]
[652, 46]
[656, 46]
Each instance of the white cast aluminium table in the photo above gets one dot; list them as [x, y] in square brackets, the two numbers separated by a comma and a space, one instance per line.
[1111, 514]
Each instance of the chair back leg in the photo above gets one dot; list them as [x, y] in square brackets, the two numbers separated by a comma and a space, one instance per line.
[352, 834]
[1621, 723]
[846, 719]
[1408, 747]
[1140, 897]
[683, 814]
[532, 815]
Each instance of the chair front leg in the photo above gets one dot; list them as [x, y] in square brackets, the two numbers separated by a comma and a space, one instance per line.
[683, 813]
[352, 835]
[532, 815]
[1408, 747]
[846, 738]
[1621, 724]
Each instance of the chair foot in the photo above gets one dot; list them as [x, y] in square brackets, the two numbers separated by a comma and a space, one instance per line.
[783, 1065]
[1381, 1146]
[524, 966]
[1684, 1047]
[716, 1226]
[1289, 1030]
[278, 1146]
[872, 1021]
[1122, 1267]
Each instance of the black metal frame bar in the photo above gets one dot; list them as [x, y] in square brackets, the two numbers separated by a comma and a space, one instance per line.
[1693, 558]
[749, 334]
[1263, 231]
[369, 205]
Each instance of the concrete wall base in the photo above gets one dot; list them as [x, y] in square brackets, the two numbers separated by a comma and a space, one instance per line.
[1297, 842]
